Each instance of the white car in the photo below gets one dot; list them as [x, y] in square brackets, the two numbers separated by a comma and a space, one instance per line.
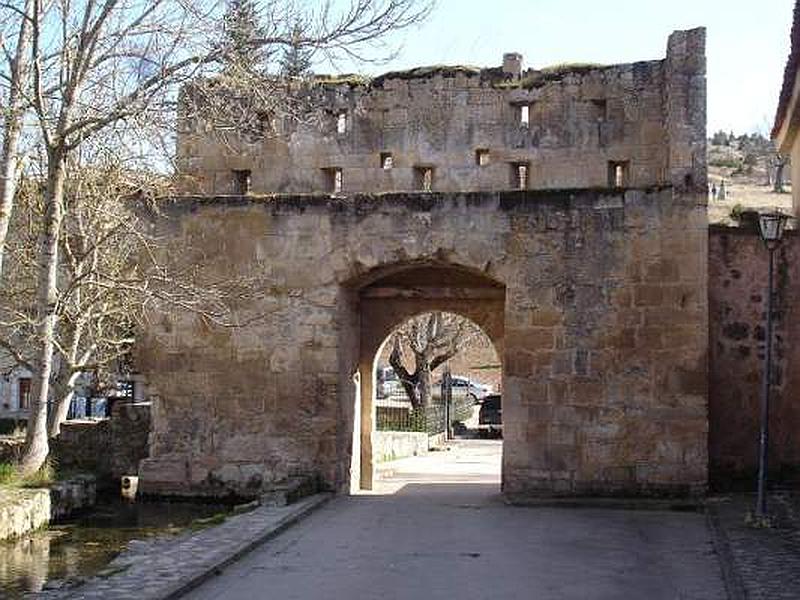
[388, 384]
[466, 387]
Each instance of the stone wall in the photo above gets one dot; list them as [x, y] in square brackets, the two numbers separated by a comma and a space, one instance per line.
[130, 429]
[647, 116]
[595, 299]
[391, 445]
[27, 509]
[23, 510]
[108, 448]
[84, 446]
[737, 304]
[72, 495]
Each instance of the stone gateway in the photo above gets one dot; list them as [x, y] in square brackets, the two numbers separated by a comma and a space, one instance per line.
[590, 282]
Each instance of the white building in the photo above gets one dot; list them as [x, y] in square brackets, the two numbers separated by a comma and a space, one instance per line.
[15, 390]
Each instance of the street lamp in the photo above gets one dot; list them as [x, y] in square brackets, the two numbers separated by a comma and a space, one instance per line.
[771, 226]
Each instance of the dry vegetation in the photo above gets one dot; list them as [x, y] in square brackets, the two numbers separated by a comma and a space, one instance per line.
[748, 170]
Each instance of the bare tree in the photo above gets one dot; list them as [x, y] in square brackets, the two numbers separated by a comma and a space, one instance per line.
[15, 76]
[256, 90]
[432, 339]
[114, 66]
[110, 270]
[113, 270]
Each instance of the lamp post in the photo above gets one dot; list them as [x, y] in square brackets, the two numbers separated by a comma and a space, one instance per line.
[771, 226]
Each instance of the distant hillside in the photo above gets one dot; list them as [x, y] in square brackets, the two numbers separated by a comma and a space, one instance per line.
[747, 168]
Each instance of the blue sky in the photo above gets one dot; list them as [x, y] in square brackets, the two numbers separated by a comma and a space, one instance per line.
[748, 42]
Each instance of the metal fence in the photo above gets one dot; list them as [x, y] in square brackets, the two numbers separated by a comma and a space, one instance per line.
[394, 411]
[430, 419]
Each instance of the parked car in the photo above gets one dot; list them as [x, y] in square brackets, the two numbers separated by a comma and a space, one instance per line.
[388, 383]
[464, 387]
[490, 416]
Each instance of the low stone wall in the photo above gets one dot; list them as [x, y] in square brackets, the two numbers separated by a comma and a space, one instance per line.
[85, 446]
[75, 494]
[109, 448]
[437, 440]
[391, 445]
[11, 449]
[27, 509]
[23, 510]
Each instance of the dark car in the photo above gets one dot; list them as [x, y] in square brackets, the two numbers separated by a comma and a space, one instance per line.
[490, 416]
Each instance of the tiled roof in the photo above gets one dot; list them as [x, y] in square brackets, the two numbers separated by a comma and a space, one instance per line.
[790, 73]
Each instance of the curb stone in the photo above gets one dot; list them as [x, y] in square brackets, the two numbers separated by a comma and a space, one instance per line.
[606, 503]
[305, 508]
[719, 539]
[163, 569]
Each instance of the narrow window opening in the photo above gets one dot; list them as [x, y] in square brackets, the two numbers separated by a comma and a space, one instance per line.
[618, 174]
[599, 115]
[341, 122]
[241, 182]
[24, 384]
[599, 109]
[423, 178]
[387, 161]
[334, 179]
[519, 175]
[524, 115]
[482, 157]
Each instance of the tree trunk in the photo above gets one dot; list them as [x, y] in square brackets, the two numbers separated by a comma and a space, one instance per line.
[12, 127]
[424, 383]
[36, 444]
[407, 380]
[65, 382]
[63, 391]
[60, 410]
[778, 185]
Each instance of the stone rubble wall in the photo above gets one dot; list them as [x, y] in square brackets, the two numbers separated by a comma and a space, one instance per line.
[737, 303]
[108, 448]
[84, 446]
[130, 429]
[72, 495]
[650, 115]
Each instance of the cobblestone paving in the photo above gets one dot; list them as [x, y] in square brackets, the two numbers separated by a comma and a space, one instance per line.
[166, 567]
[764, 563]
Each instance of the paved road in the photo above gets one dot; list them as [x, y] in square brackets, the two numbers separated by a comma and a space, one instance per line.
[438, 529]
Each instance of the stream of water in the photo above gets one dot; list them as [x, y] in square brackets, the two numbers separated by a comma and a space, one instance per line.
[82, 547]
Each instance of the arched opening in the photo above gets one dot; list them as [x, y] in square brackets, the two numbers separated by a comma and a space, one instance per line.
[437, 382]
[388, 301]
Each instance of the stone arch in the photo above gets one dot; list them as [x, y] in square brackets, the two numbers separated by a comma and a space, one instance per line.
[386, 298]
